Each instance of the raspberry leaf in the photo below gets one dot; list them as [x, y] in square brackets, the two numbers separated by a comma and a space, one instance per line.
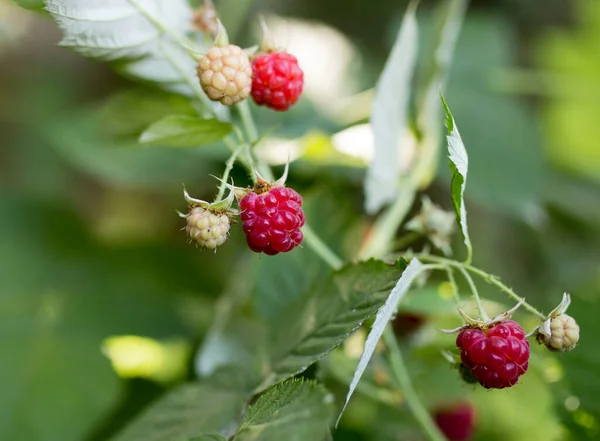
[185, 131]
[459, 164]
[210, 437]
[389, 117]
[296, 410]
[324, 316]
[132, 33]
[184, 413]
[384, 315]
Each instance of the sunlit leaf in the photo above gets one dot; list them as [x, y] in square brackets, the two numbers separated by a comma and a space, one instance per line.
[296, 410]
[185, 131]
[384, 315]
[389, 117]
[459, 164]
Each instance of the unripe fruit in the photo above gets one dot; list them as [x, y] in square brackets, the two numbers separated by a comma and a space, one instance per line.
[277, 80]
[225, 74]
[563, 335]
[456, 421]
[209, 230]
[272, 219]
[497, 356]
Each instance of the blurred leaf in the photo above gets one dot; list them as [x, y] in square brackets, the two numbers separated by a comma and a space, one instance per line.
[384, 315]
[129, 112]
[459, 164]
[390, 115]
[296, 410]
[433, 78]
[185, 412]
[325, 315]
[119, 30]
[185, 131]
[212, 437]
[34, 5]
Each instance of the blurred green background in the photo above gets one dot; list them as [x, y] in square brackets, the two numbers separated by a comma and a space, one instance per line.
[103, 304]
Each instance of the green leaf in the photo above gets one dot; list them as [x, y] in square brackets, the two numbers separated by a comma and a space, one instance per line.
[186, 412]
[384, 315]
[211, 437]
[296, 410]
[459, 164]
[389, 117]
[34, 5]
[185, 131]
[325, 315]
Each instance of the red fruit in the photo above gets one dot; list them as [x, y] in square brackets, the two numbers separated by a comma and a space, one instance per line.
[272, 220]
[405, 324]
[456, 421]
[277, 80]
[497, 356]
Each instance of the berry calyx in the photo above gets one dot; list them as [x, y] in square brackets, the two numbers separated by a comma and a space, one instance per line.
[456, 421]
[497, 355]
[208, 229]
[561, 334]
[226, 74]
[277, 80]
[272, 216]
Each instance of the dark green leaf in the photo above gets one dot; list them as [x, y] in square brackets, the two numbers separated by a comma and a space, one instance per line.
[34, 5]
[383, 317]
[185, 131]
[296, 410]
[188, 411]
[325, 315]
[459, 164]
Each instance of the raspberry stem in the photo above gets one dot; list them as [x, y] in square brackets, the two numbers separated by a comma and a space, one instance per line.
[482, 314]
[320, 248]
[405, 383]
[489, 278]
[228, 168]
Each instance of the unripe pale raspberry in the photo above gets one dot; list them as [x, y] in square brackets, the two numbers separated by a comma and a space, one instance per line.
[272, 220]
[278, 80]
[226, 74]
[497, 356]
[209, 230]
[564, 333]
[456, 421]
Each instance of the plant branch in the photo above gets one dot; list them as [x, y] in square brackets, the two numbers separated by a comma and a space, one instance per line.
[402, 376]
[482, 314]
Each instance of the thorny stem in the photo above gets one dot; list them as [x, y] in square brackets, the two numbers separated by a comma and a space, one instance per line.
[489, 278]
[482, 314]
[403, 378]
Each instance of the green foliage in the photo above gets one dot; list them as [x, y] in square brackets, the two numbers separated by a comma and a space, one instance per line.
[186, 412]
[296, 410]
[185, 131]
[384, 315]
[459, 164]
[389, 117]
[34, 5]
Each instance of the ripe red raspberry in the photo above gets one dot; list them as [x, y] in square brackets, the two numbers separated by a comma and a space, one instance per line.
[277, 80]
[497, 356]
[456, 421]
[272, 220]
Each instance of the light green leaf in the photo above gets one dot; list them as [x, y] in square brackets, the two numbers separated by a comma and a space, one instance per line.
[183, 413]
[389, 117]
[459, 164]
[185, 131]
[34, 5]
[384, 315]
[121, 30]
[325, 316]
[296, 410]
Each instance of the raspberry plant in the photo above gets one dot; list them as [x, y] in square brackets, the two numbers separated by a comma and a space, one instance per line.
[253, 389]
